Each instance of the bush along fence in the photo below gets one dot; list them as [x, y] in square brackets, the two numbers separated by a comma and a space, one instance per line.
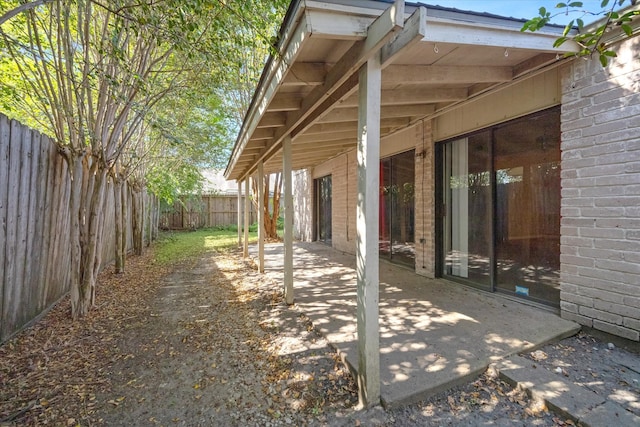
[35, 225]
[208, 210]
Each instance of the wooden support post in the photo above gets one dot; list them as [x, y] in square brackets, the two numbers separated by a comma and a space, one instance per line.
[367, 214]
[239, 213]
[261, 208]
[288, 219]
[247, 189]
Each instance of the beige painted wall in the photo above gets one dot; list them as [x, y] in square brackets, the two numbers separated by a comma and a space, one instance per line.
[526, 97]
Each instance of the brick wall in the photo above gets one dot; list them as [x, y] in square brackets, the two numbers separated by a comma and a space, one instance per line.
[425, 200]
[600, 228]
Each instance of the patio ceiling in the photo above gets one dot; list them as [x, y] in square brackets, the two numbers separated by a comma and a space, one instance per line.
[434, 60]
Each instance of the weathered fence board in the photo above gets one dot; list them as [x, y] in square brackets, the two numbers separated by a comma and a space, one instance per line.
[4, 189]
[35, 225]
[208, 210]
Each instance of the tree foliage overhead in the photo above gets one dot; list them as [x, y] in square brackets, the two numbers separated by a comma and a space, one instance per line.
[128, 89]
[591, 39]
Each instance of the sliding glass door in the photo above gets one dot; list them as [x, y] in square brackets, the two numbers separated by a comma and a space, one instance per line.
[467, 196]
[527, 238]
[397, 177]
[500, 198]
[322, 196]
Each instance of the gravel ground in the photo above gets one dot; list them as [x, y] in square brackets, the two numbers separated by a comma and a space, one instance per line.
[215, 345]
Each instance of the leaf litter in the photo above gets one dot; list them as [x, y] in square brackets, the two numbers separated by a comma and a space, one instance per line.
[211, 342]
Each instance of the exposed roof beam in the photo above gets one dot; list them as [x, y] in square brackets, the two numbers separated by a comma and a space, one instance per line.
[303, 146]
[270, 120]
[351, 125]
[441, 74]
[534, 63]
[349, 114]
[327, 136]
[306, 74]
[285, 102]
[412, 32]
[265, 133]
[414, 96]
[377, 34]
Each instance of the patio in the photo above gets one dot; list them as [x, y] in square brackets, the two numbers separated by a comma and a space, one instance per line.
[434, 334]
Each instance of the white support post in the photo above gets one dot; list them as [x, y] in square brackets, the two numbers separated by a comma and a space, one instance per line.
[247, 189]
[261, 231]
[367, 214]
[288, 220]
[239, 213]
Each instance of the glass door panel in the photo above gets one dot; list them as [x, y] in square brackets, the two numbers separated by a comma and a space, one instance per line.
[323, 209]
[467, 199]
[527, 165]
[402, 208]
[384, 217]
[397, 208]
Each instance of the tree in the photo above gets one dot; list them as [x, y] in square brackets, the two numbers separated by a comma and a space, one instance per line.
[91, 73]
[270, 204]
[244, 70]
[591, 39]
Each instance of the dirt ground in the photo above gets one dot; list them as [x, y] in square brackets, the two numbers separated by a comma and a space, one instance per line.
[211, 343]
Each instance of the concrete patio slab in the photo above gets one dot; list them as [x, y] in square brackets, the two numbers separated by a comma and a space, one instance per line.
[434, 334]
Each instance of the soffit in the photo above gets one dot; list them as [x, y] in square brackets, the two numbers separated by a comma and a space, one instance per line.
[424, 79]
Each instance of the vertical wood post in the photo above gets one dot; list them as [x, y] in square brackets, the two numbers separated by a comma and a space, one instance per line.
[261, 209]
[367, 215]
[288, 220]
[239, 213]
[245, 247]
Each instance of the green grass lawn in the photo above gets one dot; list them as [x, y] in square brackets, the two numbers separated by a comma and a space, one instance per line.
[176, 246]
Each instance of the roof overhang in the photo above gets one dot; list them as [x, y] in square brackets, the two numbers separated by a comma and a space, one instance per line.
[434, 59]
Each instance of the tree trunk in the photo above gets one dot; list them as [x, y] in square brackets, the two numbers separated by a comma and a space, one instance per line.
[270, 204]
[124, 193]
[138, 217]
[86, 204]
[119, 225]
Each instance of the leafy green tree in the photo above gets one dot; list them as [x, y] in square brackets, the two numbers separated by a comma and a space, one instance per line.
[94, 74]
[591, 39]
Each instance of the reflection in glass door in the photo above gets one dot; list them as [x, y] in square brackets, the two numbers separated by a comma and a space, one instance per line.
[527, 165]
[397, 177]
[322, 190]
[467, 196]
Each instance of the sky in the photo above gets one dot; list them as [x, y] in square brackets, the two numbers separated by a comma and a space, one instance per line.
[519, 8]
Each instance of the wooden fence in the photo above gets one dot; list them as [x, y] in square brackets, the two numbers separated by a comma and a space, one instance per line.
[34, 226]
[209, 210]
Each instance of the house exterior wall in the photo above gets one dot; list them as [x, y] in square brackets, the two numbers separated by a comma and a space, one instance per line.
[425, 219]
[343, 203]
[600, 207]
[525, 97]
[600, 228]
[343, 169]
[515, 100]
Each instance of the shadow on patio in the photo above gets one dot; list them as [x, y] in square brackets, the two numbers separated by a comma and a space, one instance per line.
[434, 334]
